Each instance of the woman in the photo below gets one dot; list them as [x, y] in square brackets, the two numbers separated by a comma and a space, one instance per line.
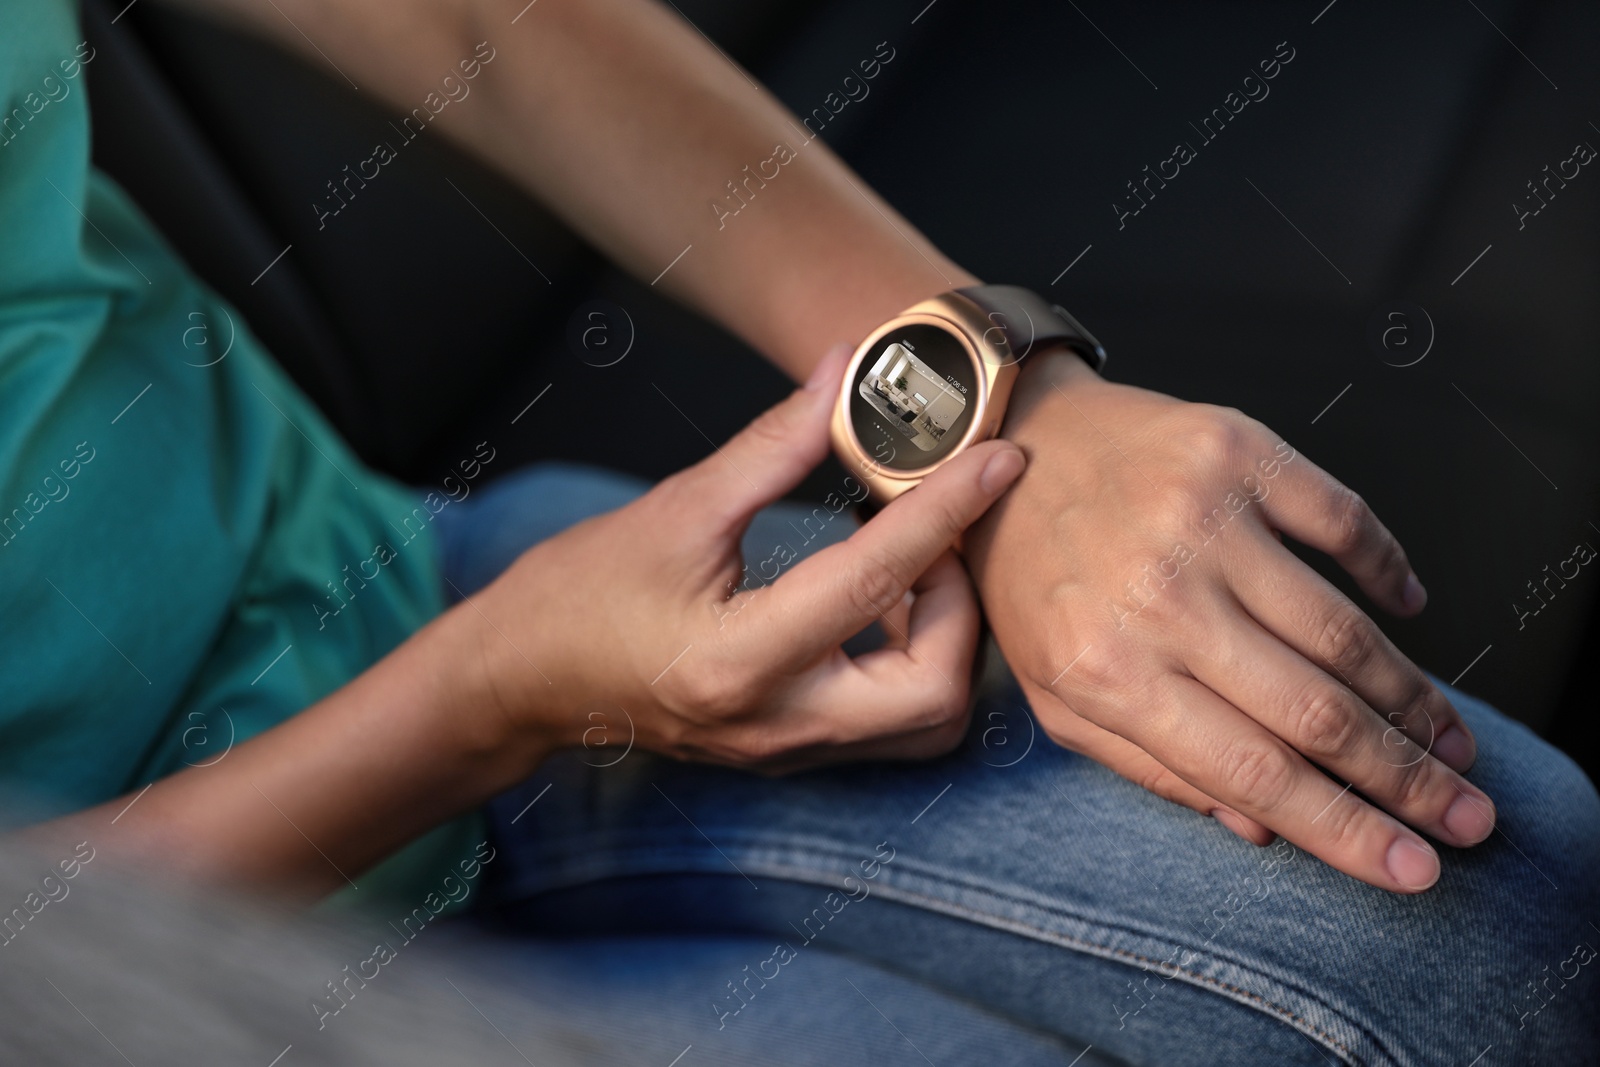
[204, 557]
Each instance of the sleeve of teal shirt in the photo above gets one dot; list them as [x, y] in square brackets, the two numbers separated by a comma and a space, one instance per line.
[196, 553]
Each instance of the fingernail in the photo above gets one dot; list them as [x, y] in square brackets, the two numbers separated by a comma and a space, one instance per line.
[1470, 819]
[1413, 596]
[1455, 749]
[1001, 470]
[1412, 864]
[1232, 820]
[824, 368]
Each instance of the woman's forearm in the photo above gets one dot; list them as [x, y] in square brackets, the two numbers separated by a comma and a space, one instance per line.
[306, 807]
[648, 139]
[645, 139]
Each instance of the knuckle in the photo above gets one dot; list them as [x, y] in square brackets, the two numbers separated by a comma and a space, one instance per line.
[1419, 719]
[1416, 785]
[1348, 638]
[759, 746]
[1343, 821]
[954, 705]
[710, 695]
[1261, 773]
[1100, 667]
[1240, 427]
[1179, 511]
[1151, 780]
[1162, 782]
[1213, 440]
[1349, 518]
[941, 707]
[1392, 559]
[773, 427]
[1163, 606]
[749, 745]
[947, 515]
[1259, 432]
[1388, 557]
[1325, 723]
[875, 587]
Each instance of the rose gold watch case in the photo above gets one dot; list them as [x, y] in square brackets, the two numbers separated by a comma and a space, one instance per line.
[996, 368]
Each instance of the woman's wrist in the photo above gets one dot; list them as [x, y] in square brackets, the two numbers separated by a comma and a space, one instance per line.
[497, 717]
[415, 740]
[1043, 380]
[1049, 383]
[862, 291]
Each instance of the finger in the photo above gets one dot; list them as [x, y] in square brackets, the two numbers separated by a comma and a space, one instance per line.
[767, 458]
[1070, 730]
[924, 683]
[1323, 625]
[1218, 749]
[802, 737]
[908, 703]
[1333, 727]
[1315, 509]
[915, 746]
[835, 593]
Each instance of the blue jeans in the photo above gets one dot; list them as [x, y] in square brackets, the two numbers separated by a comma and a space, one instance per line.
[1021, 900]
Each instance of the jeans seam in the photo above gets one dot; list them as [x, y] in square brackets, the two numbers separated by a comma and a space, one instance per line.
[644, 859]
[933, 903]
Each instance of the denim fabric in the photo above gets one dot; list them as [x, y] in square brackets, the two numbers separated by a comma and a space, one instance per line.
[638, 1001]
[1033, 883]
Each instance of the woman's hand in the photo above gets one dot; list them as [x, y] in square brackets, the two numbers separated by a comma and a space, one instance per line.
[649, 611]
[1138, 587]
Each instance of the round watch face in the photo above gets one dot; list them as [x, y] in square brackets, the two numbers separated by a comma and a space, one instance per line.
[913, 395]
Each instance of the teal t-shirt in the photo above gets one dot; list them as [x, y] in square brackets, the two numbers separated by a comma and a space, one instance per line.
[177, 521]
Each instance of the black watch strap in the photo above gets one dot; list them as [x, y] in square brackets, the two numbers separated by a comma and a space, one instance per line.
[1029, 321]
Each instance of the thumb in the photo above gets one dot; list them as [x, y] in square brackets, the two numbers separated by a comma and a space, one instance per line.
[770, 456]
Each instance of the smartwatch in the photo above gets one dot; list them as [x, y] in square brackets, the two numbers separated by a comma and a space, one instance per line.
[934, 380]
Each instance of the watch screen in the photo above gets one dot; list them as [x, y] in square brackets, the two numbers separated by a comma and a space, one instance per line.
[913, 396]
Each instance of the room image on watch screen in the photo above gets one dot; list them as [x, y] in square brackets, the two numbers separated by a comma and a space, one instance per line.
[911, 397]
